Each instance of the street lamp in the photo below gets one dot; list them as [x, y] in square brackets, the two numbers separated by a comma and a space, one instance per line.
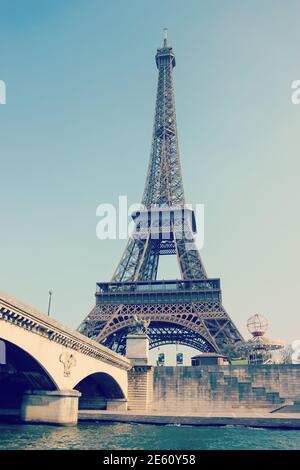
[49, 304]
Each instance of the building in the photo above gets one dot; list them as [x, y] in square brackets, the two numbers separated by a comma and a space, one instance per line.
[209, 359]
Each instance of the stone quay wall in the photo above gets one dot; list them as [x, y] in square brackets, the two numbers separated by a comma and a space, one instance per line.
[190, 389]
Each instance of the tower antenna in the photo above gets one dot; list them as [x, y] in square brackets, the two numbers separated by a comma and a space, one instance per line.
[165, 37]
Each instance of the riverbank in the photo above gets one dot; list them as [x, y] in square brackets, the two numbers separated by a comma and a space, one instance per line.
[259, 418]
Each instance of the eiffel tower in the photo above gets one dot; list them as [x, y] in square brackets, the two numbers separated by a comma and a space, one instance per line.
[188, 311]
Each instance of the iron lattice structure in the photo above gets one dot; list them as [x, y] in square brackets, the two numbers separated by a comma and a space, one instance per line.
[188, 312]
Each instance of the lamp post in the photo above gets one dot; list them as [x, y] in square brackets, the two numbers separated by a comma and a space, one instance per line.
[49, 304]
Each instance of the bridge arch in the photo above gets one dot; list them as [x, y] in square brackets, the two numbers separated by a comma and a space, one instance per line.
[96, 389]
[21, 372]
[16, 348]
[99, 381]
[49, 365]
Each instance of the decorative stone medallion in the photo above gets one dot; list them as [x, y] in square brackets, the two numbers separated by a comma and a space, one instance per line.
[68, 359]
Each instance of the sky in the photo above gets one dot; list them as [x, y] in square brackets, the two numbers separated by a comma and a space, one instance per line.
[76, 132]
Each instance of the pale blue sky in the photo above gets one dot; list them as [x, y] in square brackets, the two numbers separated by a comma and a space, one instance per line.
[76, 132]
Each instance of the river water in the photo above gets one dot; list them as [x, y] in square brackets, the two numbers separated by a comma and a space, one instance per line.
[113, 436]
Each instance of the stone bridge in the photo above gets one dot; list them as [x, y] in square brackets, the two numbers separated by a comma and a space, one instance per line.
[47, 368]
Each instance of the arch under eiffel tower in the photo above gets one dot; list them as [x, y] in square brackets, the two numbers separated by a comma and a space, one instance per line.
[187, 311]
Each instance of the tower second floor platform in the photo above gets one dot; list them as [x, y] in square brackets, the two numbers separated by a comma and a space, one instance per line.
[169, 291]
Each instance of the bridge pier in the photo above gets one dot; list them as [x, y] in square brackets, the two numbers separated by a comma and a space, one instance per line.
[116, 404]
[50, 407]
[137, 348]
[140, 376]
[140, 388]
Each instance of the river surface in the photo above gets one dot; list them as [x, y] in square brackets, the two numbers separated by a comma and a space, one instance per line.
[112, 436]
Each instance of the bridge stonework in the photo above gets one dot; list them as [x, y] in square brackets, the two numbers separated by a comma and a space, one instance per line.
[66, 357]
[140, 388]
